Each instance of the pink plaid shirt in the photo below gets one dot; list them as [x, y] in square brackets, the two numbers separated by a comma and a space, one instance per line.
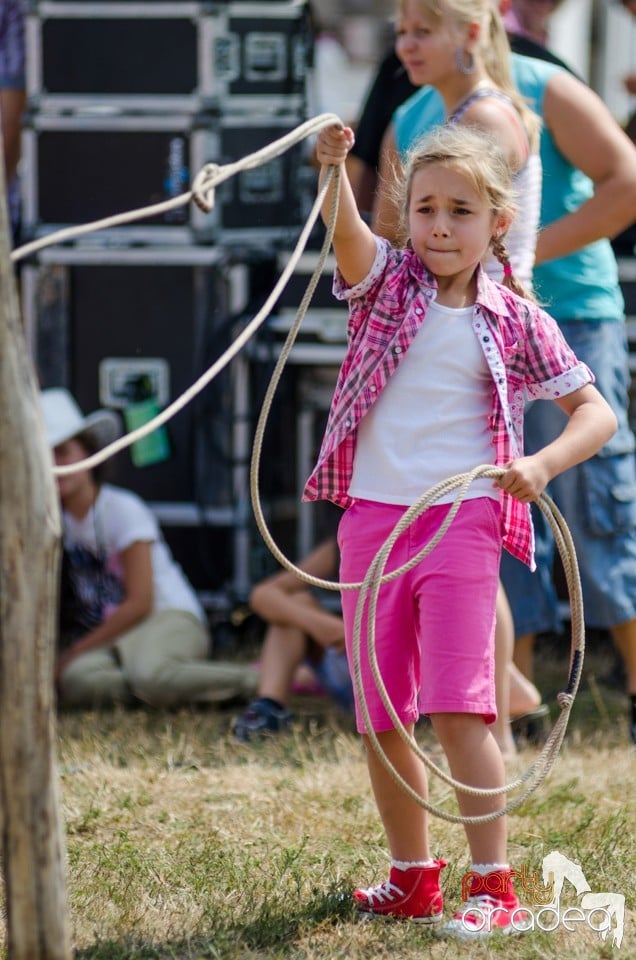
[523, 346]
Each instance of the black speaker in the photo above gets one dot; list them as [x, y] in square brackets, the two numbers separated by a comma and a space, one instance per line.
[103, 318]
[168, 57]
[119, 57]
[83, 167]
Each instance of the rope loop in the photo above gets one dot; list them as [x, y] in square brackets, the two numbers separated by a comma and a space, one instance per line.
[203, 185]
[565, 700]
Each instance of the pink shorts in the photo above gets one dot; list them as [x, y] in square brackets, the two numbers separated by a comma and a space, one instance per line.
[435, 625]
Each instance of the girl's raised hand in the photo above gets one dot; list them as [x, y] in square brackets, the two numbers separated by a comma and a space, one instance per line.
[334, 143]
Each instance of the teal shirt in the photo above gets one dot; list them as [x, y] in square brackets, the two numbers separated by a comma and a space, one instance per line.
[581, 286]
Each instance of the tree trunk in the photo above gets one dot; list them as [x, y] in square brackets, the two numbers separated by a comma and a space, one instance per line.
[33, 846]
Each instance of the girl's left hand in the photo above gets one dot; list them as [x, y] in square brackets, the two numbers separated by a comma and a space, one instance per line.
[525, 479]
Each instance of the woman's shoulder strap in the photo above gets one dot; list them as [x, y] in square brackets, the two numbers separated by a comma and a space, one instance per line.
[459, 112]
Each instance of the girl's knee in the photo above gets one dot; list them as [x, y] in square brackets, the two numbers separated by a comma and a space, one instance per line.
[454, 725]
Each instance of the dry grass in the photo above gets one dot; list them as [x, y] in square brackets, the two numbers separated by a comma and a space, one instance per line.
[182, 844]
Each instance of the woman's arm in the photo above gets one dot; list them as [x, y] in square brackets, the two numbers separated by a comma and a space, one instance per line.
[587, 135]
[136, 605]
[284, 600]
[353, 243]
[590, 425]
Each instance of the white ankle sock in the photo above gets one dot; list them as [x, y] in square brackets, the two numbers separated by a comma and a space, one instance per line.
[407, 864]
[484, 868]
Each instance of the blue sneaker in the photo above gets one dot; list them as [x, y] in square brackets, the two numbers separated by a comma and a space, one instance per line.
[261, 718]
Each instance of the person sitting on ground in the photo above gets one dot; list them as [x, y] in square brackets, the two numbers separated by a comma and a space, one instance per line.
[131, 626]
[300, 631]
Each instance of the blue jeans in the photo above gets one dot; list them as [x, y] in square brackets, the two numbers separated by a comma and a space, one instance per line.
[597, 499]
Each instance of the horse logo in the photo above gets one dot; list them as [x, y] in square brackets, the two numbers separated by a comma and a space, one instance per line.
[557, 869]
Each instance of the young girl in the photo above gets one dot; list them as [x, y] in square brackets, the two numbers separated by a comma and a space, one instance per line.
[459, 48]
[433, 383]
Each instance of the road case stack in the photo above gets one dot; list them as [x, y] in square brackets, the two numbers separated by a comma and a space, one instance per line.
[127, 101]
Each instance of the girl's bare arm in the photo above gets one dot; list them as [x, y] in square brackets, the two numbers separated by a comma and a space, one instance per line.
[590, 425]
[353, 243]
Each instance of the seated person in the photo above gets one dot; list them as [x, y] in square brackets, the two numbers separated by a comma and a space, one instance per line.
[131, 626]
[300, 630]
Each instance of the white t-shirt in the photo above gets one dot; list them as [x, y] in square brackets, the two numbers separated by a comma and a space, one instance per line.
[94, 546]
[432, 420]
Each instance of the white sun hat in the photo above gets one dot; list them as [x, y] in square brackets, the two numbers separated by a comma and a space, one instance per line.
[64, 420]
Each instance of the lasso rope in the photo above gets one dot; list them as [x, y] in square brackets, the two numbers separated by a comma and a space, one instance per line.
[370, 590]
[203, 195]
[375, 577]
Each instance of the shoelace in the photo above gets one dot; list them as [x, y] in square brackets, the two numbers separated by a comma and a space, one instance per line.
[485, 903]
[384, 891]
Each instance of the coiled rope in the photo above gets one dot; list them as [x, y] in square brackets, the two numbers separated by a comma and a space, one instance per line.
[203, 194]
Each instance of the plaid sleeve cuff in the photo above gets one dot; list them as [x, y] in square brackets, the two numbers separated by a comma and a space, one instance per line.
[560, 386]
[342, 291]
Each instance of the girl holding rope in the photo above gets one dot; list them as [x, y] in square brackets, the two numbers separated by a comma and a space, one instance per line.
[432, 384]
[460, 49]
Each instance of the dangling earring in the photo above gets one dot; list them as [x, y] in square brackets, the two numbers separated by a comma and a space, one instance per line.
[465, 61]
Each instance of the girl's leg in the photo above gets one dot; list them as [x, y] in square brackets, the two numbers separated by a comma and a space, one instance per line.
[504, 647]
[412, 890]
[284, 648]
[405, 821]
[475, 759]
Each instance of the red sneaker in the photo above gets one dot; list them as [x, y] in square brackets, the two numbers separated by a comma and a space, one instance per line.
[492, 905]
[412, 894]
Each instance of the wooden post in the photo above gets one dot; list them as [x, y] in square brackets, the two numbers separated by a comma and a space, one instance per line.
[33, 847]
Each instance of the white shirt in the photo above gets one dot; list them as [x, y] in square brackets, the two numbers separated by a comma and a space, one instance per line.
[431, 421]
[117, 519]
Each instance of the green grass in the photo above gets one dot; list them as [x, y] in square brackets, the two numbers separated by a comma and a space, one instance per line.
[184, 845]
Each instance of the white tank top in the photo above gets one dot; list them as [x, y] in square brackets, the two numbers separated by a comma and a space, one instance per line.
[521, 238]
[431, 421]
